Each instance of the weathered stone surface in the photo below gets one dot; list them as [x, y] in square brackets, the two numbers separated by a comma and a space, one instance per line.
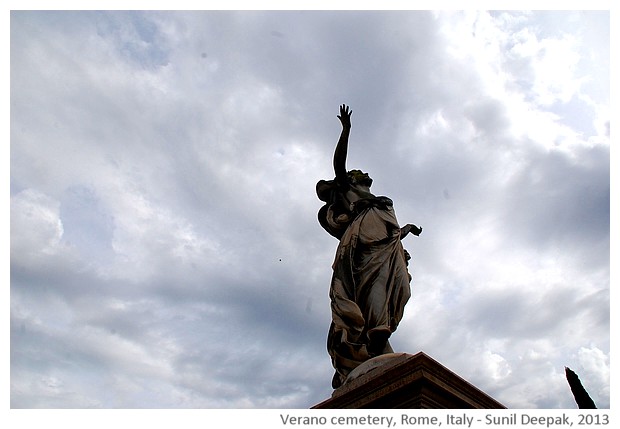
[406, 381]
[370, 281]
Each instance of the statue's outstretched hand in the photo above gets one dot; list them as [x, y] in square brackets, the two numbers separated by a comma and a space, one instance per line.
[345, 116]
[410, 228]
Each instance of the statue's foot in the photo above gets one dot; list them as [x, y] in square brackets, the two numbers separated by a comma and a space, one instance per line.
[339, 379]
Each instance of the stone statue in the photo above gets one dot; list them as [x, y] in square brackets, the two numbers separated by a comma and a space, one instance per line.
[370, 282]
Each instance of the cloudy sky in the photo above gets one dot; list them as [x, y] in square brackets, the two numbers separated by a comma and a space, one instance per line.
[165, 251]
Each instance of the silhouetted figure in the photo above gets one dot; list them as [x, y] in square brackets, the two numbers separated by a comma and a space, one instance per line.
[579, 392]
[370, 282]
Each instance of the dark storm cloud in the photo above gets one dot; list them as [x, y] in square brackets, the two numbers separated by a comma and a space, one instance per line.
[563, 199]
[165, 250]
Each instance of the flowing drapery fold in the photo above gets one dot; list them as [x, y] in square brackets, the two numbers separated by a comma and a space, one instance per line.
[370, 282]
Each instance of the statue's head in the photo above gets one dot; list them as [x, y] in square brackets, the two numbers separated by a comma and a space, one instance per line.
[359, 177]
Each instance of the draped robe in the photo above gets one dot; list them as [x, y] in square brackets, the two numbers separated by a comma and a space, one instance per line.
[370, 281]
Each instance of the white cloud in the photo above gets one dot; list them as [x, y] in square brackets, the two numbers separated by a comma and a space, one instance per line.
[36, 229]
[163, 168]
[596, 373]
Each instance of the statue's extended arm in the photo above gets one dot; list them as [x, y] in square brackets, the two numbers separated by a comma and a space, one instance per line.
[340, 154]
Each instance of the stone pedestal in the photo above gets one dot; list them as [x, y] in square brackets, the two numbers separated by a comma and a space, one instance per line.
[405, 381]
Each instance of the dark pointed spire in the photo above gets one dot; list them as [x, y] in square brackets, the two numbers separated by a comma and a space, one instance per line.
[579, 392]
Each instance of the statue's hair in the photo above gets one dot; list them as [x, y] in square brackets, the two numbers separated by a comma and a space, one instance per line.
[355, 175]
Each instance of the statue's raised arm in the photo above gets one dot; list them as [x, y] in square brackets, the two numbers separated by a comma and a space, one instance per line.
[340, 154]
[370, 281]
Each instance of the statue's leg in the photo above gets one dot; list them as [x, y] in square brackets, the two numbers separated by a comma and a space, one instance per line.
[378, 341]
